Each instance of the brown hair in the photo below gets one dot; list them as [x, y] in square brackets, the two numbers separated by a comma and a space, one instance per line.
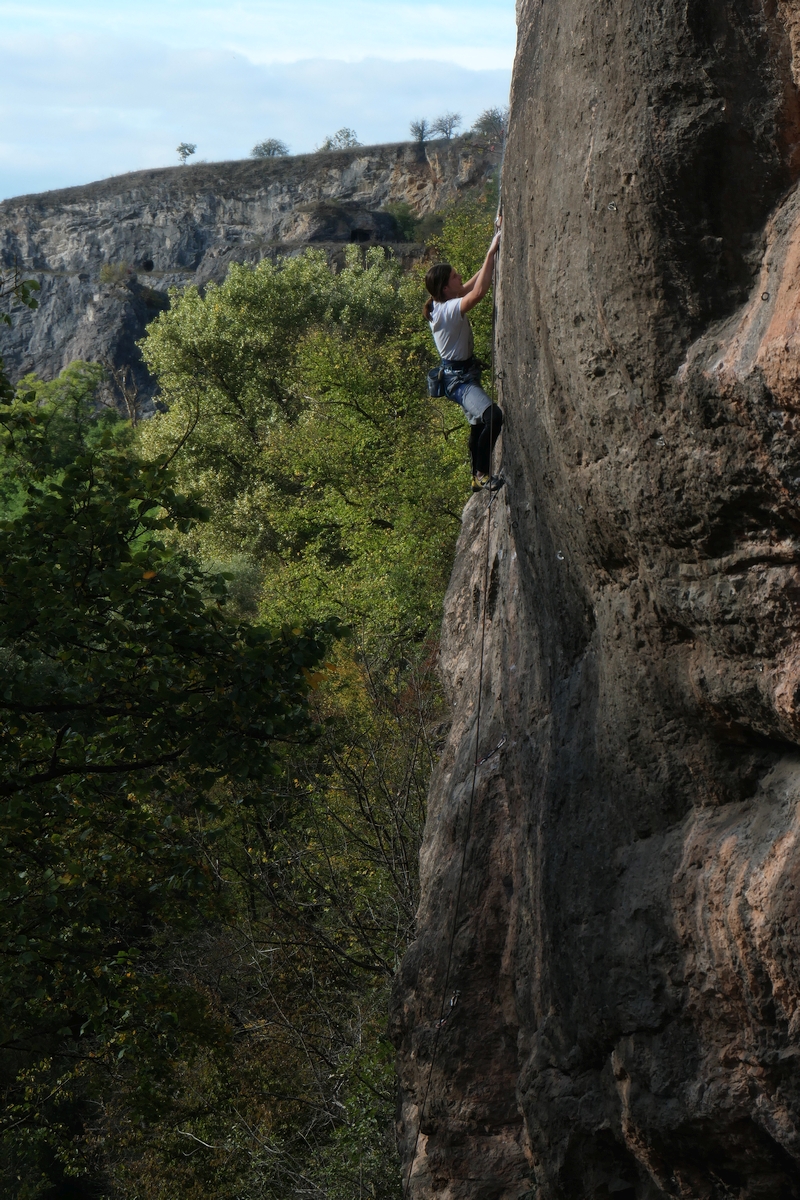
[436, 280]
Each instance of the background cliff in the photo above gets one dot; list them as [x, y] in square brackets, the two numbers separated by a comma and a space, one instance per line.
[106, 254]
[626, 950]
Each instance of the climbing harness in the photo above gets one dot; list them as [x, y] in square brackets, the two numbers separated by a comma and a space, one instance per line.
[444, 1015]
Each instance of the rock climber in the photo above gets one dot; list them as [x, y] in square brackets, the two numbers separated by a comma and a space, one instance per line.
[460, 371]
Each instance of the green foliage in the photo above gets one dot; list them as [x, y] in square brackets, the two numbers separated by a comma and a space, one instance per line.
[297, 396]
[322, 906]
[127, 697]
[14, 289]
[297, 407]
[406, 218]
[186, 150]
[67, 421]
[204, 905]
[114, 273]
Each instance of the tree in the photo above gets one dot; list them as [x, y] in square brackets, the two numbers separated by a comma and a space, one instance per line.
[447, 124]
[271, 148]
[312, 439]
[123, 391]
[128, 697]
[328, 470]
[149, 675]
[420, 130]
[406, 218]
[212, 940]
[186, 150]
[492, 122]
[343, 139]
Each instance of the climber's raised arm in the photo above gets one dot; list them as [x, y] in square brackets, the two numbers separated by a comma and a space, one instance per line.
[476, 288]
[469, 286]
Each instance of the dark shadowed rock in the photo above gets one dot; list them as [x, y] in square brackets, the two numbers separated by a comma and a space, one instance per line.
[107, 254]
[628, 945]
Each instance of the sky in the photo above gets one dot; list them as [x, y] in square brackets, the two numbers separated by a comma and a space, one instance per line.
[90, 89]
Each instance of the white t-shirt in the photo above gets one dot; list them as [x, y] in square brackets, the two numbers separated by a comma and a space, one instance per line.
[451, 331]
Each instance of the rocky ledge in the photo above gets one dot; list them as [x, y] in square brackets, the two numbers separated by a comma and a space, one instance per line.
[106, 255]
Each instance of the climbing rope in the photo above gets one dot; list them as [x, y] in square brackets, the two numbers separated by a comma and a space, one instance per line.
[477, 761]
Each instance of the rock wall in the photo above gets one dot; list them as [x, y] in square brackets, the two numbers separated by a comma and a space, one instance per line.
[152, 230]
[627, 950]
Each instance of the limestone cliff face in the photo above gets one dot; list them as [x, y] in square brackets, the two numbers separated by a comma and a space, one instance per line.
[628, 945]
[156, 229]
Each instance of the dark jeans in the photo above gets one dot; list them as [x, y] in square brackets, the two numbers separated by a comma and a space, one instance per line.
[482, 438]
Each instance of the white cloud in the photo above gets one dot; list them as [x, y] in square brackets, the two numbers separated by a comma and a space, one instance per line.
[77, 107]
[472, 33]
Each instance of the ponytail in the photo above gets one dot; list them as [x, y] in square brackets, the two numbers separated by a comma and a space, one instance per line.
[436, 280]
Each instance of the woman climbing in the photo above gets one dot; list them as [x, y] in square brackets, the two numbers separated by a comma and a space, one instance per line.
[446, 312]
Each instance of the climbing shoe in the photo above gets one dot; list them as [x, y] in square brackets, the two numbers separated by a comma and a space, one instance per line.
[491, 483]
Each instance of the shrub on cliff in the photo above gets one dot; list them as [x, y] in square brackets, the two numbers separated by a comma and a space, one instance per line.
[115, 273]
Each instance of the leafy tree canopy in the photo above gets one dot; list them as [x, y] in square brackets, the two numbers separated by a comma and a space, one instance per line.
[127, 697]
[296, 393]
[197, 942]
